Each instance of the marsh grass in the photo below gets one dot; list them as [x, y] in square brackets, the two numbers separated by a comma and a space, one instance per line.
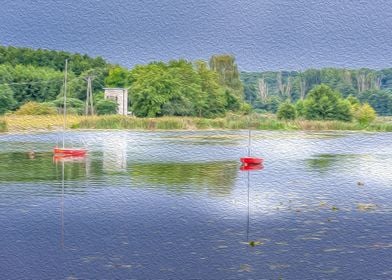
[231, 121]
[44, 122]
[3, 125]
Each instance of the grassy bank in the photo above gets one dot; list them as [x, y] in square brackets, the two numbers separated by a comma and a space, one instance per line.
[3, 125]
[50, 122]
[257, 122]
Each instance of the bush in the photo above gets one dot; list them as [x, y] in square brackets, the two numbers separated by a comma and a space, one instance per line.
[365, 114]
[245, 108]
[3, 125]
[74, 105]
[106, 107]
[300, 107]
[287, 111]
[35, 108]
[322, 103]
[7, 101]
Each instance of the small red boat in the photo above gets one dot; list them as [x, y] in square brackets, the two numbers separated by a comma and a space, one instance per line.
[69, 152]
[251, 160]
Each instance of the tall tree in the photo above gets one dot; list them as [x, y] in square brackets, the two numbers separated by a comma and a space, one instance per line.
[228, 73]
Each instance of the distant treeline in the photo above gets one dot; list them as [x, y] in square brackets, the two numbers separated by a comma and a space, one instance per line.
[176, 88]
[179, 87]
[267, 90]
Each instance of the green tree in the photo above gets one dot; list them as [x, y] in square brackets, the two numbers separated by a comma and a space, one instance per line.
[73, 105]
[322, 103]
[300, 108]
[287, 111]
[152, 86]
[228, 73]
[106, 107]
[365, 114]
[7, 101]
[118, 77]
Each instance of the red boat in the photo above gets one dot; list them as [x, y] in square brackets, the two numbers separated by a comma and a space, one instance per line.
[251, 160]
[69, 152]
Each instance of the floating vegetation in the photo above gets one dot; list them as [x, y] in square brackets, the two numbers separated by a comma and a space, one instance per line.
[366, 207]
[245, 268]
[334, 208]
[254, 243]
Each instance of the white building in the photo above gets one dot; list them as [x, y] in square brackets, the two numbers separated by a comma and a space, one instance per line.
[119, 95]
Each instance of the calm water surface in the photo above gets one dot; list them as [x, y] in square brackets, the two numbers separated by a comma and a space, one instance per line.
[175, 205]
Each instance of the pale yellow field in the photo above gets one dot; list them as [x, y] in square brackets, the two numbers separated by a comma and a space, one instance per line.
[52, 122]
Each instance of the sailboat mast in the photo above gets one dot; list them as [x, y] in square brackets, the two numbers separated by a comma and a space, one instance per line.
[65, 99]
[249, 136]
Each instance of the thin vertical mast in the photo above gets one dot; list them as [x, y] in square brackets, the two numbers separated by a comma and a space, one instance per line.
[249, 142]
[65, 99]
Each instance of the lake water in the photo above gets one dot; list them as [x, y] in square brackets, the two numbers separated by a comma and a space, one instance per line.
[175, 205]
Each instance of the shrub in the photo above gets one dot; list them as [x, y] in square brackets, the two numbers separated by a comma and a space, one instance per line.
[74, 105]
[286, 111]
[106, 107]
[300, 107]
[7, 101]
[35, 108]
[3, 125]
[365, 114]
[322, 103]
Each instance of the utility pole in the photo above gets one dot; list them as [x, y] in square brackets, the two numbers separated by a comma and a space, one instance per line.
[89, 96]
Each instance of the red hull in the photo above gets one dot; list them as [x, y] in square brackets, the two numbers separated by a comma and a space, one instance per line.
[251, 167]
[251, 160]
[69, 152]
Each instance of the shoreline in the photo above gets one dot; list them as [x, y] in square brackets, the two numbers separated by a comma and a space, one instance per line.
[50, 123]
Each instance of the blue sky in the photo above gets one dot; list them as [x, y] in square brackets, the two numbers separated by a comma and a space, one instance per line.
[263, 35]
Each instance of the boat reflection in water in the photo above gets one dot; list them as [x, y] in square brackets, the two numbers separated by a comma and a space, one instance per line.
[249, 168]
[68, 159]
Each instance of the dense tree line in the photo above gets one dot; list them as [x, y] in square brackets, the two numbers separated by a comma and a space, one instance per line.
[267, 90]
[28, 75]
[49, 59]
[179, 88]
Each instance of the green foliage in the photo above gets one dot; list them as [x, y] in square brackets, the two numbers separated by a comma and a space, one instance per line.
[380, 100]
[106, 107]
[73, 105]
[30, 83]
[271, 104]
[35, 108]
[322, 103]
[367, 85]
[286, 111]
[353, 100]
[49, 59]
[365, 114]
[118, 77]
[228, 73]
[7, 101]
[3, 125]
[178, 88]
[300, 108]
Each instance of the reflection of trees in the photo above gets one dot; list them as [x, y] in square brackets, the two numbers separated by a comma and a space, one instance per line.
[22, 167]
[325, 162]
[215, 177]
